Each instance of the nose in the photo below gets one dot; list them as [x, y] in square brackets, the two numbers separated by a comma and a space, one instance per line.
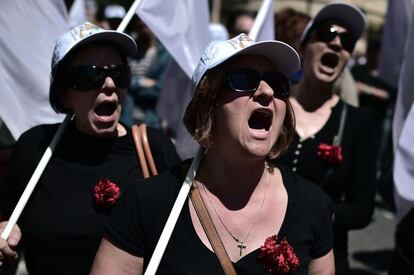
[264, 91]
[264, 94]
[109, 85]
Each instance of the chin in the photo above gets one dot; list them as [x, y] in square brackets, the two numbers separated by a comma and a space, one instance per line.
[325, 78]
[105, 129]
[257, 151]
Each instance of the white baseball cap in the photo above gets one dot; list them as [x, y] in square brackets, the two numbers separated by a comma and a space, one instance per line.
[86, 33]
[284, 57]
[347, 13]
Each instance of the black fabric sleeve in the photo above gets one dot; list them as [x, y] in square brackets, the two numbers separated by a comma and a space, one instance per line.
[124, 227]
[163, 150]
[22, 163]
[323, 213]
[356, 211]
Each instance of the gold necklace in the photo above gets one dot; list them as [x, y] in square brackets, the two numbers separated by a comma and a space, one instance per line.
[241, 244]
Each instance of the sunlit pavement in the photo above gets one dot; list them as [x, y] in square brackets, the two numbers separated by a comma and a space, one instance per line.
[371, 248]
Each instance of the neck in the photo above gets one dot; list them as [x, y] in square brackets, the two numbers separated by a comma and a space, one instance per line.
[233, 182]
[311, 95]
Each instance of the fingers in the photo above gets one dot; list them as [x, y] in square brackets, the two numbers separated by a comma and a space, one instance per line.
[15, 236]
[6, 247]
[6, 252]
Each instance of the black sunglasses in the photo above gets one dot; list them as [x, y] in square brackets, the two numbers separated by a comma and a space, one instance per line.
[245, 80]
[328, 34]
[91, 77]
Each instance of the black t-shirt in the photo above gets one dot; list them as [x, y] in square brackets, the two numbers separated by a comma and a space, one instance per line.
[351, 183]
[61, 225]
[137, 222]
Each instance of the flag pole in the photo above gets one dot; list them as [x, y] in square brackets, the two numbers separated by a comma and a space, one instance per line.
[128, 16]
[260, 17]
[50, 149]
[215, 14]
[34, 179]
[174, 214]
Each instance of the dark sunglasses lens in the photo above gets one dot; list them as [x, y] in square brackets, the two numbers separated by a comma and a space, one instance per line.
[84, 78]
[120, 75]
[243, 80]
[347, 41]
[329, 34]
[326, 35]
[279, 84]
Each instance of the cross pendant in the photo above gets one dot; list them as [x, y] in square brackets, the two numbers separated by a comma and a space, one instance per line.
[242, 246]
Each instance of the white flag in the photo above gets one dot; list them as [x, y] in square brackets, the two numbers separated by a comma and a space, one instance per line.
[181, 26]
[397, 24]
[403, 130]
[28, 30]
[264, 24]
[77, 13]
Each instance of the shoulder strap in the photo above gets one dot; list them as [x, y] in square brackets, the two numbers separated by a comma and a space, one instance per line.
[140, 151]
[139, 133]
[211, 231]
[147, 149]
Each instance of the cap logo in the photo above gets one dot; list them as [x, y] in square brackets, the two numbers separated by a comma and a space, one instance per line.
[241, 41]
[84, 30]
[244, 41]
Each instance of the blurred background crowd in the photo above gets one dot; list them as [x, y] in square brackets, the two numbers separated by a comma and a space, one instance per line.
[363, 84]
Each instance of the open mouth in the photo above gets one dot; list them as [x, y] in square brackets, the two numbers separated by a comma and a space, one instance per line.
[106, 109]
[330, 60]
[261, 120]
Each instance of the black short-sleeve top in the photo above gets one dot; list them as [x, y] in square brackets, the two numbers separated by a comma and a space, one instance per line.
[138, 219]
[61, 225]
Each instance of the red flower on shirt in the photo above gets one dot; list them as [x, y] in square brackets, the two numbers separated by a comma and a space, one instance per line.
[330, 153]
[106, 193]
[278, 258]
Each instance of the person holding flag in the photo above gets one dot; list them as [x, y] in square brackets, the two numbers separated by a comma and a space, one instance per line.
[63, 222]
[268, 219]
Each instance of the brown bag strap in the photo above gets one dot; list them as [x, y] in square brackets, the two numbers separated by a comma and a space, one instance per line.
[211, 231]
[147, 149]
[140, 151]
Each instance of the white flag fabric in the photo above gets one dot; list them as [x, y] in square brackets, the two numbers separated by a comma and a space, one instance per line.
[264, 24]
[77, 13]
[174, 97]
[403, 131]
[28, 30]
[181, 26]
[397, 24]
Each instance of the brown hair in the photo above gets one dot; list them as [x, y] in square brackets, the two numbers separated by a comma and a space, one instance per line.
[199, 116]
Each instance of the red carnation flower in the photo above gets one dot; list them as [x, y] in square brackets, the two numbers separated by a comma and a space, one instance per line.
[106, 193]
[278, 258]
[330, 153]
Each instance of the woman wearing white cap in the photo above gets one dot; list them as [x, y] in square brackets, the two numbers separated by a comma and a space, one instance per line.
[95, 158]
[334, 143]
[269, 220]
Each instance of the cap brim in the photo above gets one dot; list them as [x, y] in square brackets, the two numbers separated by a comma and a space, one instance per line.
[285, 59]
[346, 13]
[125, 42]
